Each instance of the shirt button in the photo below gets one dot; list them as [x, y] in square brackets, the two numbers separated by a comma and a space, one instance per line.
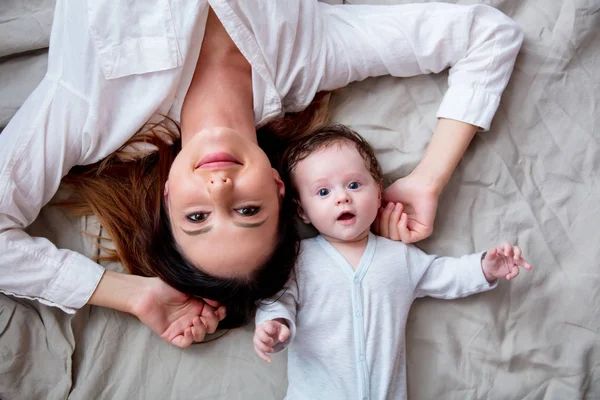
[362, 358]
[356, 281]
[359, 314]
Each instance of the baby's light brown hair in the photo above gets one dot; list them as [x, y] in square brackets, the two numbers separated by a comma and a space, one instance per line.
[322, 138]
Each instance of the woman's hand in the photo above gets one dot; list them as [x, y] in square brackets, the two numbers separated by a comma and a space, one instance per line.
[177, 318]
[503, 262]
[410, 210]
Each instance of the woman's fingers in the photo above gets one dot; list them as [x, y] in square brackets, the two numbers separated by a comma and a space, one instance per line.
[212, 303]
[183, 340]
[221, 313]
[210, 318]
[405, 234]
[394, 222]
[384, 224]
[198, 330]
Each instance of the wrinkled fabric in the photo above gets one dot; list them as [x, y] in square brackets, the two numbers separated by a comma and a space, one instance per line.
[532, 179]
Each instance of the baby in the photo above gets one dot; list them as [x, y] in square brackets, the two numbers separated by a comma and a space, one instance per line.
[344, 316]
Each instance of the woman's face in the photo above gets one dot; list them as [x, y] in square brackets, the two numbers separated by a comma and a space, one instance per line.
[223, 200]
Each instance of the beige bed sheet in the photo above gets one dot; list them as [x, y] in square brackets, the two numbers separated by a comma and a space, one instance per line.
[533, 180]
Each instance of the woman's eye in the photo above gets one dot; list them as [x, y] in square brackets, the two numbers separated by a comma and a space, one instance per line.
[248, 211]
[323, 192]
[197, 217]
[353, 185]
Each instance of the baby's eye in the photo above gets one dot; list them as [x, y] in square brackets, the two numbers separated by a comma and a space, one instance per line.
[353, 185]
[248, 211]
[323, 192]
[197, 217]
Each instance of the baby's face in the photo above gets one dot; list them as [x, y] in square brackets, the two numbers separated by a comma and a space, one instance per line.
[337, 193]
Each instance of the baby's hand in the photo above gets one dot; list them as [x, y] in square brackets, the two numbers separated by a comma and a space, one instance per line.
[503, 261]
[269, 334]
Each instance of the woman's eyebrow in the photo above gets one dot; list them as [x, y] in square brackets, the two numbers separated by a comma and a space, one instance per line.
[198, 231]
[250, 224]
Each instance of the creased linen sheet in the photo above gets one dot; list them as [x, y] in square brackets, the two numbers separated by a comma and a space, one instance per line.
[532, 179]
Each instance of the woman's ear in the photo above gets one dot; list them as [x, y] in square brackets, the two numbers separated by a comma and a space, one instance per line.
[279, 183]
[166, 195]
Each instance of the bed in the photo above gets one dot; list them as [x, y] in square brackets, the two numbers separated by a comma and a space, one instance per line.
[533, 179]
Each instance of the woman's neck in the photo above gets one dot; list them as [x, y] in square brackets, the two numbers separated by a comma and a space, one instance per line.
[220, 93]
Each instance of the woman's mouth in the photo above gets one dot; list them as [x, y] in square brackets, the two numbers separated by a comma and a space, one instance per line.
[346, 218]
[217, 161]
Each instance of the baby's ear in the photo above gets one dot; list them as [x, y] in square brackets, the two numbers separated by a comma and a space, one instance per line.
[301, 212]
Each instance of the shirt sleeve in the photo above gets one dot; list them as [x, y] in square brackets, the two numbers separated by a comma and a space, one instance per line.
[37, 148]
[477, 42]
[53, 130]
[445, 277]
[283, 307]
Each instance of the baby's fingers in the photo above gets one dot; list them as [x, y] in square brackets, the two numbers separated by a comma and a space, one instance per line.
[514, 272]
[518, 252]
[491, 255]
[262, 354]
[265, 337]
[506, 249]
[284, 333]
[523, 264]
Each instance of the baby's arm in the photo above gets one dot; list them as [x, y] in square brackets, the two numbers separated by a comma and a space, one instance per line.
[451, 278]
[276, 322]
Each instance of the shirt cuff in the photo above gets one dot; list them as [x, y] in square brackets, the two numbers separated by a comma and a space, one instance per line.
[465, 104]
[477, 272]
[291, 324]
[74, 284]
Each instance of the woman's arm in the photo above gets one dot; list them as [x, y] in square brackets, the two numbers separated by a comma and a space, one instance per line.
[418, 193]
[174, 316]
[37, 148]
[477, 42]
[448, 144]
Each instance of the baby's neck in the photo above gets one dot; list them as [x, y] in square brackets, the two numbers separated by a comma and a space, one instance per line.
[353, 250]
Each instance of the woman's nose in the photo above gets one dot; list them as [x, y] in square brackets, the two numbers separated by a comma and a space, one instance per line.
[219, 186]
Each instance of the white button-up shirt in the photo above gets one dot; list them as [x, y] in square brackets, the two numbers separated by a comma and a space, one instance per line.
[113, 66]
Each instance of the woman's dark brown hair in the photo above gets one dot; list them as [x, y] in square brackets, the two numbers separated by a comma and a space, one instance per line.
[125, 192]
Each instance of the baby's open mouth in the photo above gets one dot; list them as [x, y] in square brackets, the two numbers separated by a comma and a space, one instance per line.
[345, 216]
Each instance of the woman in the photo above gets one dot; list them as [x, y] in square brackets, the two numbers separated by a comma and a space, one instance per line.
[220, 70]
